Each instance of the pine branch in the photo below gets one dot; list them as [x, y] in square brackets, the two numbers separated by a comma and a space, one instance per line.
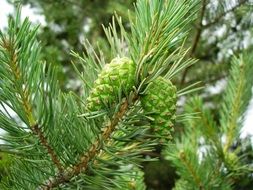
[199, 154]
[158, 33]
[191, 170]
[37, 131]
[184, 155]
[13, 56]
[9, 47]
[119, 132]
[204, 124]
[239, 93]
[90, 154]
[234, 115]
[196, 160]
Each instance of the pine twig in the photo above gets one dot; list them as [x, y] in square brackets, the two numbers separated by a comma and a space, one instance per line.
[188, 165]
[27, 106]
[69, 173]
[37, 131]
[16, 72]
[235, 111]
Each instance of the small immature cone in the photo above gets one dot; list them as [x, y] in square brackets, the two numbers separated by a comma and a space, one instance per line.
[115, 76]
[160, 98]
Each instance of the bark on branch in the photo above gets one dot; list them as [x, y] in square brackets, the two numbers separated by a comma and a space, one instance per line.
[80, 167]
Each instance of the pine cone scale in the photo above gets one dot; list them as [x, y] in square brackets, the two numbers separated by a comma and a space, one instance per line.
[117, 76]
[160, 101]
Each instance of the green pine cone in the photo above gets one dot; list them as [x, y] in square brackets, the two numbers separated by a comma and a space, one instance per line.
[160, 98]
[115, 76]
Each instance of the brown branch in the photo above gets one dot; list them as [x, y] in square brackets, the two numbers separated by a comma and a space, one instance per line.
[37, 131]
[89, 156]
[216, 19]
[9, 46]
[24, 100]
[196, 39]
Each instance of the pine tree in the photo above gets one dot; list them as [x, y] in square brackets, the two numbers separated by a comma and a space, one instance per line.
[99, 139]
[204, 154]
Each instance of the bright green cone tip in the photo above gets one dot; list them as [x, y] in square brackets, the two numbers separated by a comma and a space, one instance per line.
[117, 76]
[160, 98]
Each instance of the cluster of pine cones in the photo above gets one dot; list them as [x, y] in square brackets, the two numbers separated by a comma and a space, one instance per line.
[119, 77]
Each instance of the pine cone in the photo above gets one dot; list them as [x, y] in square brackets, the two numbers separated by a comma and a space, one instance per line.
[160, 98]
[115, 76]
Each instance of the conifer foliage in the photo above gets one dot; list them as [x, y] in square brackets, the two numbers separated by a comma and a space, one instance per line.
[204, 155]
[127, 108]
[62, 140]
